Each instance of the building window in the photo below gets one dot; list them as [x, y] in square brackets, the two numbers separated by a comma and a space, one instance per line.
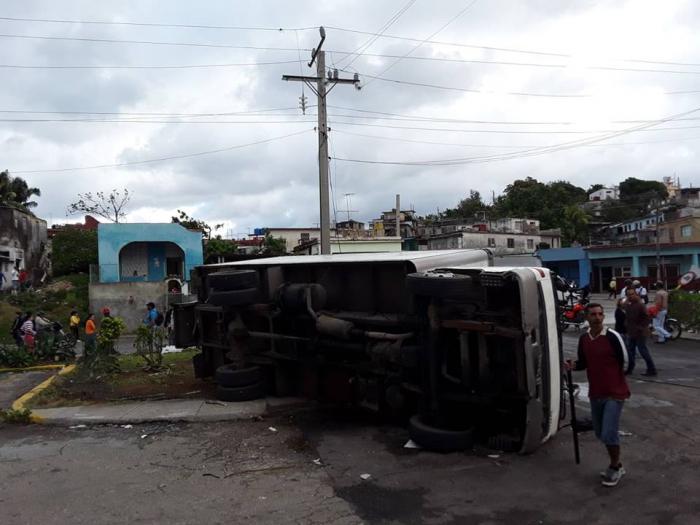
[511, 242]
[687, 231]
[530, 244]
[491, 242]
[305, 237]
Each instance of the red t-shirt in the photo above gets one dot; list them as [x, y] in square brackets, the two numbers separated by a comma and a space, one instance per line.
[606, 378]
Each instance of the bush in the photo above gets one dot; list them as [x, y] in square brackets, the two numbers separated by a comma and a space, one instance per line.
[149, 346]
[23, 415]
[13, 356]
[103, 359]
[74, 251]
[685, 307]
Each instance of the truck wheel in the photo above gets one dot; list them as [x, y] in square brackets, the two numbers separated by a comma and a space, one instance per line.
[443, 285]
[233, 297]
[439, 439]
[233, 280]
[240, 393]
[233, 377]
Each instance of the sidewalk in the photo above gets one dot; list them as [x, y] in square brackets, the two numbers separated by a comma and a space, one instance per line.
[191, 410]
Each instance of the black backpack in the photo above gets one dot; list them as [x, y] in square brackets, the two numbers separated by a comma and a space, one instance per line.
[159, 319]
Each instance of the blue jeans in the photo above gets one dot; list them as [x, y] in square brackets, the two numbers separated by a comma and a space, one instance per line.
[640, 343]
[606, 420]
[661, 333]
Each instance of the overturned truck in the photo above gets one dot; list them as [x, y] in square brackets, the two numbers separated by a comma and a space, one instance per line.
[461, 349]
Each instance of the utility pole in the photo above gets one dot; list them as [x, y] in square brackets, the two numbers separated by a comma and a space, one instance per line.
[322, 81]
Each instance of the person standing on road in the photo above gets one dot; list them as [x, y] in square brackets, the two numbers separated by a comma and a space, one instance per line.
[612, 287]
[151, 315]
[603, 355]
[637, 325]
[661, 303]
[29, 332]
[641, 291]
[74, 324]
[623, 292]
[15, 280]
[620, 319]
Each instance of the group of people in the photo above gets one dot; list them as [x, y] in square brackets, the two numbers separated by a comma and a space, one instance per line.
[26, 326]
[608, 356]
[18, 280]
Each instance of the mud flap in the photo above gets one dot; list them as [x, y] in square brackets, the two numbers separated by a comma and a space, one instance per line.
[533, 427]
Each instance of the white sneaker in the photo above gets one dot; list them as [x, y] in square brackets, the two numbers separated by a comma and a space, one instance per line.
[613, 476]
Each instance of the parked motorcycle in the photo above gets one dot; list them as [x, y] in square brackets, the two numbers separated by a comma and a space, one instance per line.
[54, 344]
[573, 304]
[672, 326]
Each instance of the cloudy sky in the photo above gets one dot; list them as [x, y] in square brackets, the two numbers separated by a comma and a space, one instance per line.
[456, 95]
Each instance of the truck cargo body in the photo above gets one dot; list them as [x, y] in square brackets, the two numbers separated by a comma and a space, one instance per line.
[462, 349]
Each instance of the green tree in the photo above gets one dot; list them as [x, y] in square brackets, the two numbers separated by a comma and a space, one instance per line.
[73, 251]
[468, 207]
[191, 223]
[273, 245]
[575, 226]
[14, 191]
[218, 247]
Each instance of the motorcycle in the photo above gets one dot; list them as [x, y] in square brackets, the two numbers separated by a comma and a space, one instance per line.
[53, 344]
[672, 326]
[573, 304]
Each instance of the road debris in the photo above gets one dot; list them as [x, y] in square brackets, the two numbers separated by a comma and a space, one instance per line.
[494, 456]
[127, 426]
[272, 429]
[318, 462]
[365, 476]
[624, 433]
[411, 444]
[78, 426]
[144, 436]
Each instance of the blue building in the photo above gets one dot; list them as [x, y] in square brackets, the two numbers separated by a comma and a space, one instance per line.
[147, 252]
[571, 263]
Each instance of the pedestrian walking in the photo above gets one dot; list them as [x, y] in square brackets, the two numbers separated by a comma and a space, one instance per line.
[623, 292]
[641, 291]
[620, 319]
[603, 355]
[612, 288]
[152, 316]
[661, 304]
[637, 325]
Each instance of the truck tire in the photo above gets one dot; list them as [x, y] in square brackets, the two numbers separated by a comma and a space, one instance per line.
[442, 285]
[439, 439]
[234, 377]
[233, 297]
[233, 280]
[240, 393]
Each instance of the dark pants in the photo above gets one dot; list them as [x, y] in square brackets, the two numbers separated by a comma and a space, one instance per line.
[74, 331]
[640, 343]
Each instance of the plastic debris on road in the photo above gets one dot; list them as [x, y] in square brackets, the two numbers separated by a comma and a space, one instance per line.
[624, 433]
[494, 456]
[144, 436]
[78, 426]
[127, 426]
[317, 461]
[365, 476]
[411, 444]
[272, 429]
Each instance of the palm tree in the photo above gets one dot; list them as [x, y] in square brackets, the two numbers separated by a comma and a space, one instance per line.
[14, 191]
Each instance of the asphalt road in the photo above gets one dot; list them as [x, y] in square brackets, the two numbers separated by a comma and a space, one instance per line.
[231, 472]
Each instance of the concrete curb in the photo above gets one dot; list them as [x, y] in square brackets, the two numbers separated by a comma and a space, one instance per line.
[31, 368]
[22, 400]
[168, 410]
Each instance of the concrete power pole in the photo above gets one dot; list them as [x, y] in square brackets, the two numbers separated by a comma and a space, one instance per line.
[322, 81]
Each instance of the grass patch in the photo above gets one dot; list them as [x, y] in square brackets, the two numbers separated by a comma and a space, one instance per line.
[176, 380]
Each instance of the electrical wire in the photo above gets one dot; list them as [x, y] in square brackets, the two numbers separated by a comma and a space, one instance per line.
[153, 24]
[155, 67]
[358, 52]
[461, 12]
[527, 153]
[162, 159]
[141, 114]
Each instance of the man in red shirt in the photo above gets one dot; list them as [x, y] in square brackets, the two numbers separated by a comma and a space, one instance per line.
[602, 353]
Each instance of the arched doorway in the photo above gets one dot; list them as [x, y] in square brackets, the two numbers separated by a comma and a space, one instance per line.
[151, 261]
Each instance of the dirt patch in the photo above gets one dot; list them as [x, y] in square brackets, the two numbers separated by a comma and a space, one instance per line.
[176, 380]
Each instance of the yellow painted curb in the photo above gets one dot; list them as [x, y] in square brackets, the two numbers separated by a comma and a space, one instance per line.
[30, 368]
[20, 402]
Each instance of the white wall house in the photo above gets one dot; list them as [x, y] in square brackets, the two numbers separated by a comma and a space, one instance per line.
[604, 194]
[500, 243]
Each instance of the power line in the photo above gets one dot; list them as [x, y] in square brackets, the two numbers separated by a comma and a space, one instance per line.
[153, 24]
[141, 114]
[135, 121]
[161, 159]
[513, 50]
[146, 42]
[461, 12]
[527, 153]
[359, 51]
[180, 66]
